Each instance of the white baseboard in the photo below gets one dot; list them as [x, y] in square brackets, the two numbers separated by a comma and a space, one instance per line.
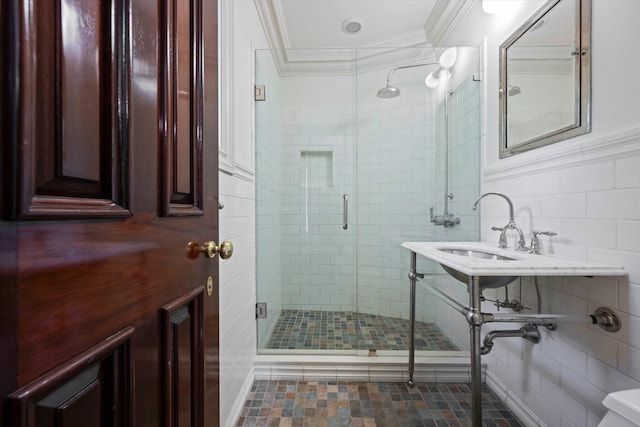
[238, 406]
[517, 406]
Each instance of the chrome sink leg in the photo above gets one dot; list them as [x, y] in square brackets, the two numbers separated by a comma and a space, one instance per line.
[413, 278]
[475, 322]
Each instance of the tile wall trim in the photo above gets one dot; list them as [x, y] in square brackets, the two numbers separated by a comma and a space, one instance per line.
[564, 154]
[242, 397]
[432, 369]
[517, 406]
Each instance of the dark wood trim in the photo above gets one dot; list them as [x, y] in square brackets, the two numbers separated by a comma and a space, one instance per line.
[8, 231]
[22, 402]
[193, 302]
[48, 207]
[172, 202]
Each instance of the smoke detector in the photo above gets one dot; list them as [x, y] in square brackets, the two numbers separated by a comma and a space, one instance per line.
[352, 25]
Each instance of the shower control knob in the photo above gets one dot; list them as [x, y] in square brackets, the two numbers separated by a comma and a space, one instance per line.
[210, 249]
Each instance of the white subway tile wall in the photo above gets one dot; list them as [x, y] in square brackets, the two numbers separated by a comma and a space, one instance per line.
[594, 207]
[389, 170]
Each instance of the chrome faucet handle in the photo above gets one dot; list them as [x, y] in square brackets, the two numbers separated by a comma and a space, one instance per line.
[522, 243]
[544, 233]
[502, 243]
[535, 242]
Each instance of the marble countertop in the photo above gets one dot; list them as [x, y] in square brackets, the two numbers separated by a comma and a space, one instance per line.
[523, 263]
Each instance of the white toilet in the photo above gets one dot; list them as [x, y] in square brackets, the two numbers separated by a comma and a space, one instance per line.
[624, 409]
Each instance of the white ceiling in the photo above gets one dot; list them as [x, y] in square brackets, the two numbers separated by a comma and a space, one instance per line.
[304, 29]
[309, 24]
[318, 23]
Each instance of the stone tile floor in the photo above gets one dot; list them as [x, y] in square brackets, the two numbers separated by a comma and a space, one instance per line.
[367, 404]
[304, 329]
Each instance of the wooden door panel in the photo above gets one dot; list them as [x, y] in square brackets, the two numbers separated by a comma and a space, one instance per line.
[183, 361]
[106, 262]
[92, 389]
[181, 109]
[73, 64]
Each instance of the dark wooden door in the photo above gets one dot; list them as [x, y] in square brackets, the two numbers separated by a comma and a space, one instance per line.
[109, 170]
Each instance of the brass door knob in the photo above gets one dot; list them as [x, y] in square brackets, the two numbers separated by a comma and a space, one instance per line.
[210, 249]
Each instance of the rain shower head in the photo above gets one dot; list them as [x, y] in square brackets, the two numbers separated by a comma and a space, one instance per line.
[391, 91]
[388, 91]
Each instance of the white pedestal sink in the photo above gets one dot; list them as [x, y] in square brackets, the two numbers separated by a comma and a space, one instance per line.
[496, 267]
[481, 265]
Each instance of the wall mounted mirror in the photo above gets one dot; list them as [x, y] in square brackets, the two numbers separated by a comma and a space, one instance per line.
[545, 78]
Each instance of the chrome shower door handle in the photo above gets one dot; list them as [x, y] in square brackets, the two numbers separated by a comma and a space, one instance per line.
[345, 211]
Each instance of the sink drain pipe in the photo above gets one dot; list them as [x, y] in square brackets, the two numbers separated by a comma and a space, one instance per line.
[529, 332]
[604, 317]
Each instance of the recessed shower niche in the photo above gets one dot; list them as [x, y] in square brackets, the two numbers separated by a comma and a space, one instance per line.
[316, 169]
[343, 177]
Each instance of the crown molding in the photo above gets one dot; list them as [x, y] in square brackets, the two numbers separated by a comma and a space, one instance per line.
[341, 61]
[444, 18]
[573, 152]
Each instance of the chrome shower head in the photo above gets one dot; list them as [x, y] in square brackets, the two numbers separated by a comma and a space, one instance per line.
[513, 90]
[388, 92]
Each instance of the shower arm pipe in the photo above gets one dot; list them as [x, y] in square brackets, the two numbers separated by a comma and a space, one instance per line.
[401, 67]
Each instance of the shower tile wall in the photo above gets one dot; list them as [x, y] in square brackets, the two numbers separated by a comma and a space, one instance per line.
[318, 264]
[464, 160]
[396, 174]
[390, 204]
[464, 172]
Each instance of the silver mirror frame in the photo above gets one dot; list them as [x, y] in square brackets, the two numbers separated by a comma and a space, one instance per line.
[582, 122]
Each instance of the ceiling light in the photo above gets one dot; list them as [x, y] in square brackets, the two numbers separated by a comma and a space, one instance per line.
[491, 7]
[352, 25]
[494, 7]
[448, 57]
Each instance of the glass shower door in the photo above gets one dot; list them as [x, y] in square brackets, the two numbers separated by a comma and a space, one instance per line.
[305, 189]
[343, 177]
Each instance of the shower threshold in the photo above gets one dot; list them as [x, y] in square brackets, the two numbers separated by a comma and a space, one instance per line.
[429, 367]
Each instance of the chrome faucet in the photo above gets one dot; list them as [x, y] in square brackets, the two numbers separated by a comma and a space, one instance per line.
[502, 243]
[535, 242]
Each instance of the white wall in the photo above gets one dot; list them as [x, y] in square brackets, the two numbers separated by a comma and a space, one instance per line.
[240, 32]
[587, 189]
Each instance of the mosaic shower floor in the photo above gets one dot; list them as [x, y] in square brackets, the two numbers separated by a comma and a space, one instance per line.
[362, 404]
[346, 330]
